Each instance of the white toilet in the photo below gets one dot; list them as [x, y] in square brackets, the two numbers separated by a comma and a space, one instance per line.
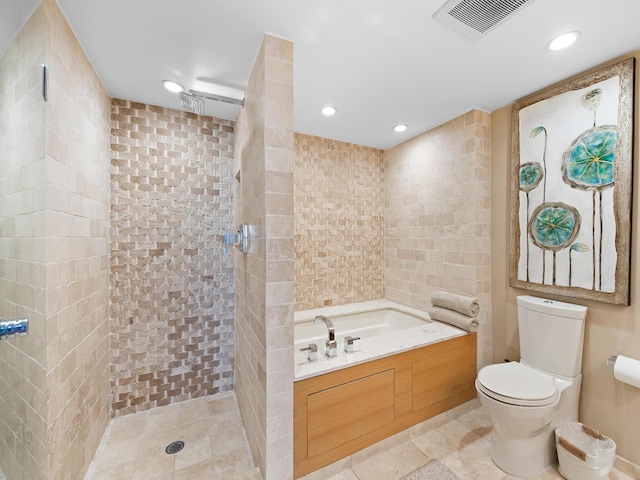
[527, 400]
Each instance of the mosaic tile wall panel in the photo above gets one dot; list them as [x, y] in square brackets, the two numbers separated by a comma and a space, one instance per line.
[339, 222]
[172, 301]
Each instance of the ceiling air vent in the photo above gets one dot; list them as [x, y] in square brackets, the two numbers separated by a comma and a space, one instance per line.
[475, 18]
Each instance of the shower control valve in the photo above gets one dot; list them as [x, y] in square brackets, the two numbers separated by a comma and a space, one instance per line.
[240, 239]
[312, 348]
[348, 343]
[13, 328]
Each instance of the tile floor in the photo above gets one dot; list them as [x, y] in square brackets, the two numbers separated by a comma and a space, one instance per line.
[133, 446]
[216, 448]
[461, 443]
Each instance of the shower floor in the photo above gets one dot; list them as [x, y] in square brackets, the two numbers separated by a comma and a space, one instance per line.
[215, 446]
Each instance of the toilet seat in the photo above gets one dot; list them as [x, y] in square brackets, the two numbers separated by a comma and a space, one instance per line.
[516, 384]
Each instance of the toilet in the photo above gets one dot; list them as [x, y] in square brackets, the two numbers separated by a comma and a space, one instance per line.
[527, 400]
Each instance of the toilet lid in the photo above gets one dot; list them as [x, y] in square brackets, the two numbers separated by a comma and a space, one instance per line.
[518, 384]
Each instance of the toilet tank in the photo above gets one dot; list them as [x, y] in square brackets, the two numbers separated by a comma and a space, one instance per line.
[551, 334]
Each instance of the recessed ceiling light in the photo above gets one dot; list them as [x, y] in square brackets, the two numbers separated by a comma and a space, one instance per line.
[563, 41]
[400, 128]
[172, 86]
[328, 111]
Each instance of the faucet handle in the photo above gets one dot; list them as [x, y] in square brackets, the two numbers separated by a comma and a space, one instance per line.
[348, 343]
[312, 348]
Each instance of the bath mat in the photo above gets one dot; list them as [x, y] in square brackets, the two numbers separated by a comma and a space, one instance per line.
[434, 470]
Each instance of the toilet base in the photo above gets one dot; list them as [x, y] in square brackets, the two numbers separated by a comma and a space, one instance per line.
[524, 457]
[523, 438]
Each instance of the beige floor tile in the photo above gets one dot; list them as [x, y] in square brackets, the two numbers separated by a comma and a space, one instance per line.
[445, 440]
[478, 421]
[224, 441]
[193, 411]
[344, 475]
[194, 431]
[164, 418]
[215, 444]
[253, 474]
[232, 463]
[473, 462]
[116, 453]
[330, 471]
[149, 468]
[193, 453]
[550, 473]
[221, 404]
[224, 420]
[124, 471]
[198, 471]
[618, 475]
[127, 427]
[392, 464]
[155, 443]
[381, 446]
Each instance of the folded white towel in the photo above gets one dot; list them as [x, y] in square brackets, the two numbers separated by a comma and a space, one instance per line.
[454, 318]
[463, 304]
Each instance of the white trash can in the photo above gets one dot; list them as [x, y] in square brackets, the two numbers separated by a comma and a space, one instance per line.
[584, 453]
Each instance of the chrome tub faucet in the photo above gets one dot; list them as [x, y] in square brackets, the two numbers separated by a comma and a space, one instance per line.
[332, 345]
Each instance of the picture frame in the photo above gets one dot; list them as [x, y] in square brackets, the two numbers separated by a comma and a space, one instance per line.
[571, 187]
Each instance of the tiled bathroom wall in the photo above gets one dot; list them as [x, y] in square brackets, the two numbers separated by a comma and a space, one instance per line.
[438, 217]
[54, 230]
[265, 275]
[77, 252]
[172, 286]
[339, 222]
[23, 403]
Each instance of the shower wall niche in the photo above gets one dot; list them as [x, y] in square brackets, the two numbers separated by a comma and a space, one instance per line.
[172, 287]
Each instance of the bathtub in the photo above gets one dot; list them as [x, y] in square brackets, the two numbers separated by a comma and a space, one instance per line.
[404, 370]
[384, 328]
[361, 324]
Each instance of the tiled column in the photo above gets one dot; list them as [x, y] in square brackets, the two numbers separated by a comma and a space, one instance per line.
[265, 276]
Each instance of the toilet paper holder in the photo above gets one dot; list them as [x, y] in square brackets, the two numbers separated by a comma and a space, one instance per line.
[611, 361]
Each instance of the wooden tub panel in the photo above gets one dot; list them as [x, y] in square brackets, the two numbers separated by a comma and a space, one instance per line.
[341, 412]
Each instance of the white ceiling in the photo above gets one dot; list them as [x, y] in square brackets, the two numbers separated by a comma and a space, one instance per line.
[380, 62]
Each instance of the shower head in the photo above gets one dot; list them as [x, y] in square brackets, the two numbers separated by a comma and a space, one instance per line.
[192, 103]
[218, 98]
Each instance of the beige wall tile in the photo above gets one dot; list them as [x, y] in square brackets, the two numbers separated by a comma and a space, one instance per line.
[62, 394]
[264, 277]
[438, 218]
[172, 286]
[339, 229]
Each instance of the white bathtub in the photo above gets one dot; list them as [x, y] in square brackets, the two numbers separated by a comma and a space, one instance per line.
[361, 324]
[384, 328]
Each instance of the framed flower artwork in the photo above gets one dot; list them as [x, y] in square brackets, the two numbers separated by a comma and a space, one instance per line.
[571, 187]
